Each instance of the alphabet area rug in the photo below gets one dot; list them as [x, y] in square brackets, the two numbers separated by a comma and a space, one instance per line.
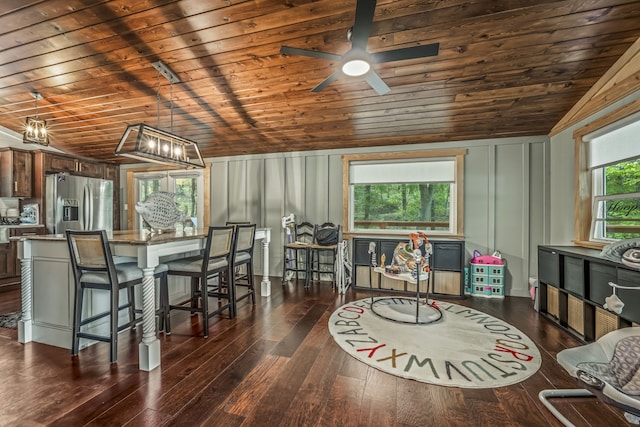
[465, 348]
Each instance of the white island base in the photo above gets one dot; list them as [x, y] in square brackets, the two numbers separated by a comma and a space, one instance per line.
[48, 285]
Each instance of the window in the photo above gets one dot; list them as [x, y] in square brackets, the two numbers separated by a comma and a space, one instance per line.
[394, 193]
[191, 189]
[608, 199]
[614, 162]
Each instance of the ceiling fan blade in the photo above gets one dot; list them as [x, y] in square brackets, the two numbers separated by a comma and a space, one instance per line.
[406, 53]
[362, 24]
[376, 82]
[306, 52]
[326, 82]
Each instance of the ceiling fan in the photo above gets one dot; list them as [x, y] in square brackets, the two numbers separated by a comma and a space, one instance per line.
[357, 61]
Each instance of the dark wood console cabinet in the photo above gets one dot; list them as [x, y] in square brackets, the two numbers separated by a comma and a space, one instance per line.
[446, 263]
[573, 285]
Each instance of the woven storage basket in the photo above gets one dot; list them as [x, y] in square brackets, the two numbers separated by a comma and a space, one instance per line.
[605, 322]
[575, 314]
[553, 302]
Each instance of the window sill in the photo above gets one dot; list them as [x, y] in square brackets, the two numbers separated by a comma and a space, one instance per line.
[588, 244]
[402, 234]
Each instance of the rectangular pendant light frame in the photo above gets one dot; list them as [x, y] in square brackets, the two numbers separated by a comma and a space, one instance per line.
[146, 143]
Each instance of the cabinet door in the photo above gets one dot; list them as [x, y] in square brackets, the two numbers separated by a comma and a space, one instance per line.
[573, 272]
[447, 256]
[7, 261]
[599, 277]
[361, 254]
[630, 297]
[16, 169]
[57, 163]
[112, 172]
[90, 169]
[22, 173]
[549, 267]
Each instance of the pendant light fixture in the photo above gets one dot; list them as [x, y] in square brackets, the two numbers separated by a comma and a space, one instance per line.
[35, 130]
[148, 144]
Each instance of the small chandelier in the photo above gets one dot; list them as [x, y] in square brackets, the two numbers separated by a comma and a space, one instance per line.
[35, 130]
[148, 144]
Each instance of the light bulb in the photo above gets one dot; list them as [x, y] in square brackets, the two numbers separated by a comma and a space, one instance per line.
[355, 67]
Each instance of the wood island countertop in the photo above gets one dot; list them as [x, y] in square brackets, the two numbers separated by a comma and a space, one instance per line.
[132, 237]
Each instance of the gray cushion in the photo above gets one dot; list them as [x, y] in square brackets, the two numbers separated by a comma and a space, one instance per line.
[194, 264]
[126, 272]
[242, 257]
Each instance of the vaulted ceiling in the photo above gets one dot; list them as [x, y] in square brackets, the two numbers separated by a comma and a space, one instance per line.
[504, 68]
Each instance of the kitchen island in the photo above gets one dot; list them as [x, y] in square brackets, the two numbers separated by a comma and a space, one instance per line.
[48, 285]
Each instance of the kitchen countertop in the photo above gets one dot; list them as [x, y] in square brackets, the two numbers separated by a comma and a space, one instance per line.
[20, 225]
[131, 237]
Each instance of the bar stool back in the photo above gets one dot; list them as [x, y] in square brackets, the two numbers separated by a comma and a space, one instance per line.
[245, 241]
[296, 252]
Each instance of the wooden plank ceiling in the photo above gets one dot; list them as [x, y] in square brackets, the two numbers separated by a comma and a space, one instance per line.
[505, 68]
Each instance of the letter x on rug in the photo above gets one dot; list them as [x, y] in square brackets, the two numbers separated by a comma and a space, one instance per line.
[465, 348]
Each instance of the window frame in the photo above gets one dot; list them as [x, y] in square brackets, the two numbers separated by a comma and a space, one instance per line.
[583, 175]
[132, 191]
[347, 190]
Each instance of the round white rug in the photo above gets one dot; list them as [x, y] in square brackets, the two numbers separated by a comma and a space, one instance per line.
[465, 348]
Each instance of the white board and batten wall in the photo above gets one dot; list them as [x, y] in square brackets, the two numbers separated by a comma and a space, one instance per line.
[505, 196]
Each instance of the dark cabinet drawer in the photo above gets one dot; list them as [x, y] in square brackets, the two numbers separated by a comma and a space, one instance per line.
[361, 252]
[630, 297]
[573, 275]
[447, 256]
[599, 277]
[549, 267]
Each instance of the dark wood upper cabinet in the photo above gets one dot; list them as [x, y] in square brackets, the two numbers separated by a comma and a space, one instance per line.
[58, 163]
[61, 163]
[16, 173]
[111, 172]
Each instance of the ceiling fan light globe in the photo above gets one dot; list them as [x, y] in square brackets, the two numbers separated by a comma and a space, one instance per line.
[356, 67]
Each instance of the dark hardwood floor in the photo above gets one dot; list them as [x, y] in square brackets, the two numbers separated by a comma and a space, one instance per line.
[273, 365]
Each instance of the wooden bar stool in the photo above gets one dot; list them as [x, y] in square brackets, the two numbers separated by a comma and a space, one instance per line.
[296, 253]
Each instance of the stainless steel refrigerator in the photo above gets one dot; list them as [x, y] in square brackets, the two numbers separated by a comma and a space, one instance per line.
[78, 203]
